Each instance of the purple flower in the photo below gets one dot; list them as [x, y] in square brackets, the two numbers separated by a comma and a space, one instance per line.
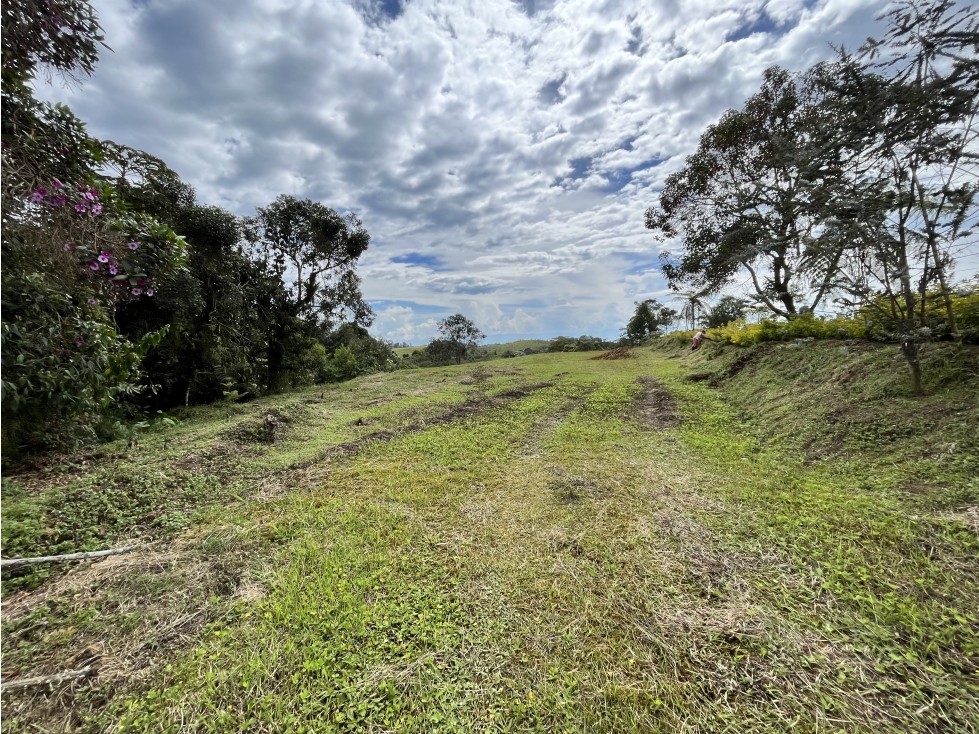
[67, 247]
[133, 245]
[90, 196]
[97, 209]
[113, 269]
[80, 208]
[37, 197]
[58, 200]
[104, 257]
[93, 265]
[91, 301]
[56, 184]
[149, 292]
[136, 291]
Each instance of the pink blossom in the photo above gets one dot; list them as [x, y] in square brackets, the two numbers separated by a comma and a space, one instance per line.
[113, 269]
[133, 245]
[104, 257]
[56, 184]
[97, 209]
[93, 265]
[141, 281]
[58, 200]
[91, 301]
[37, 197]
[90, 196]
[149, 292]
[80, 208]
[67, 247]
[136, 291]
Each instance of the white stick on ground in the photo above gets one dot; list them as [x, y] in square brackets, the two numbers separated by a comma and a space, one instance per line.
[17, 562]
[46, 679]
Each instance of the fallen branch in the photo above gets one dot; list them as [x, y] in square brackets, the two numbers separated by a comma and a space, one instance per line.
[18, 562]
[46, 679]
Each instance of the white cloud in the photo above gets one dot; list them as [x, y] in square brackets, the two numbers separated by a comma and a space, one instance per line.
[515, 150]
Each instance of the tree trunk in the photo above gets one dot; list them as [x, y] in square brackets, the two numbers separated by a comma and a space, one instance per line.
[946, 294]
[190, 382]
[909, 348]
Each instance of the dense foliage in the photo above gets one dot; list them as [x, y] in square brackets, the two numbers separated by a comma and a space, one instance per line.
[650, 319]
[458, 338]
[864, 324]
[123, 293]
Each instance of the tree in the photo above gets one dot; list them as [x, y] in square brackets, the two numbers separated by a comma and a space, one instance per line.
[931, 49]
[904, 112]
[748, 199]
[648, 321]
[693, 309]
[728, 309]
[316, 249]
[459, 337]
[63, 35]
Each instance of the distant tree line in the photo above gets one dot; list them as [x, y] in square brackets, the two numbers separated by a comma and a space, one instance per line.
[853, 182]
[123, 292]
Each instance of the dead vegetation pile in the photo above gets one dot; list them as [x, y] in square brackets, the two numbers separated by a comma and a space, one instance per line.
[617, 353]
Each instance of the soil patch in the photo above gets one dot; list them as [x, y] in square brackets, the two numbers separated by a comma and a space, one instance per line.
[655, 405]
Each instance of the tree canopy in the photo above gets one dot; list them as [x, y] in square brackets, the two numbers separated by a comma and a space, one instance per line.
[459, 337]
[649, 319]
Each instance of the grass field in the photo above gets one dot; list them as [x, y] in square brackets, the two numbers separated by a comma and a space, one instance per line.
[777, 539]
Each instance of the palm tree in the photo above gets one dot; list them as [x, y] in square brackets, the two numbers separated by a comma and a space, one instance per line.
[694, 306]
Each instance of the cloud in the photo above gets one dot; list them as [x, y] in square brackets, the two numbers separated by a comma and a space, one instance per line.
[498, 152]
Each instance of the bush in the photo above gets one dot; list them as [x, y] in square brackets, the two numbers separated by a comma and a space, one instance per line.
[581, 344]
[65, 369]
[802, 327]
[868, 323]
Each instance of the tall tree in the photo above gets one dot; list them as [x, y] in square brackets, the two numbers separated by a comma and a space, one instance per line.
[649, 319]
[728, 309]
[904, 114]
[314, 250]
[749, 200]
[459, 337]
[931, 49]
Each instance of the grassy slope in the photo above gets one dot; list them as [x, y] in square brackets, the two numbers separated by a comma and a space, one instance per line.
[795, 553]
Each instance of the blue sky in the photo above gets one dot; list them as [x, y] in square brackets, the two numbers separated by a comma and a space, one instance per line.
[501, 154]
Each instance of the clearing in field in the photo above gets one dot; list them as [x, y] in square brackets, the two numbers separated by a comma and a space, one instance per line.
[784, 542]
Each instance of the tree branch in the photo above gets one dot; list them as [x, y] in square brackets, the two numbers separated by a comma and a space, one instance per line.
[18, 562]
[41, 680]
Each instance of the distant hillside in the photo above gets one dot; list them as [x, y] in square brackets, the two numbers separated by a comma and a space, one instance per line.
[497, 349]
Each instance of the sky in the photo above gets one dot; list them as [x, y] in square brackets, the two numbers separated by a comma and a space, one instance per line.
[501, 153]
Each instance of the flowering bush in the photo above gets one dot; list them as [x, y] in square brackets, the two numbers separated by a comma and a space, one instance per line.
[59, 383]
[802, 327]
[68, 262]
[121, 256]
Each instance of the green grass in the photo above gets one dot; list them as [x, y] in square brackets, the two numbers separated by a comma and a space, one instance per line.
[793, 555]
